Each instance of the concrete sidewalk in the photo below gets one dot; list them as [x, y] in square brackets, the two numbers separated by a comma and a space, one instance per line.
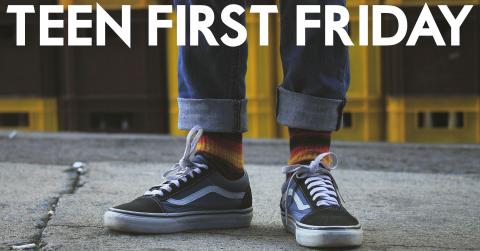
[400, 210]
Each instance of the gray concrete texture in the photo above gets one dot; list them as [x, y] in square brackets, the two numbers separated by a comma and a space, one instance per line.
[64, 148]
[398, 211]
[408, 197]
[27, 193]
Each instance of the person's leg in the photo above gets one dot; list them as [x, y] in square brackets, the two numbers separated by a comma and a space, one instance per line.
[306, 145]
[312, 95]
[316, 78]
[207, 188]
[310, 103]
[211, 83]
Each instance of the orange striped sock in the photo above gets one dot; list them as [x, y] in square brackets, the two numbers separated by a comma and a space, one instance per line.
[224, 151]
[306, 145]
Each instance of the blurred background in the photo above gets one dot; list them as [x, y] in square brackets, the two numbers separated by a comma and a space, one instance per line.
[398, 94]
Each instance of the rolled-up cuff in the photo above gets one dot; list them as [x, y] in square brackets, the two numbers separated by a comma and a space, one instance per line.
[297, 110]
[213, 115]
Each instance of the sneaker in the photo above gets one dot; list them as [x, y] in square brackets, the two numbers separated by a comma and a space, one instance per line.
[192, 197]
[311, 207]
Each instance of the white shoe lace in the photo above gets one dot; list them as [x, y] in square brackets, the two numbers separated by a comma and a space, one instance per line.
[184, 168]
[321, 186]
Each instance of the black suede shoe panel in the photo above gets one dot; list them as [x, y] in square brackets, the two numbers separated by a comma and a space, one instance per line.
[144, 204]
[330, 216]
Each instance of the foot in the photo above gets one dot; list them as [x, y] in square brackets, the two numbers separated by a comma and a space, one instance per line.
[193, 196]
[311, 207]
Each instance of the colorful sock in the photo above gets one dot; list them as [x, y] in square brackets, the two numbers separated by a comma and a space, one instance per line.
[306, 145]
[223, 151]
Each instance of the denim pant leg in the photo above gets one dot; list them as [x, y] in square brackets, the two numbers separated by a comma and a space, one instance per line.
[211, 79]
[316, 80]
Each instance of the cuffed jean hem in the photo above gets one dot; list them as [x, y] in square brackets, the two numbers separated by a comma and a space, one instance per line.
[297, 110]
[213, 115]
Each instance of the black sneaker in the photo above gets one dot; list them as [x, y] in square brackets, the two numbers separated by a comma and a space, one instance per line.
[312, 210]
[193, 196]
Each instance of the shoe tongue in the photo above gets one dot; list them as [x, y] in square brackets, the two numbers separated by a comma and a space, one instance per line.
[199, 158]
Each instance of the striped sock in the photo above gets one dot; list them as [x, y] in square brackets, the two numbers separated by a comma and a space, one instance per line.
[306, 145]
[223, 151]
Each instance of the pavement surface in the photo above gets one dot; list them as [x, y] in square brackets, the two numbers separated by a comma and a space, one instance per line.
[408, 197]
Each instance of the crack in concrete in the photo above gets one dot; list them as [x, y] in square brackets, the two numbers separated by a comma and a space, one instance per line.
[74, 177]
[75, 226]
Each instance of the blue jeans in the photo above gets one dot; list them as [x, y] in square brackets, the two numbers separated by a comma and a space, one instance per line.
[211, 79]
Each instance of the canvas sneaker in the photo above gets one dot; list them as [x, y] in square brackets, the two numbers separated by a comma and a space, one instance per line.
[193, 196]
[312, 209]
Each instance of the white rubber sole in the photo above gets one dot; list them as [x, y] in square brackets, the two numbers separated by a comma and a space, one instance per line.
[311, 236]
[173, 223]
